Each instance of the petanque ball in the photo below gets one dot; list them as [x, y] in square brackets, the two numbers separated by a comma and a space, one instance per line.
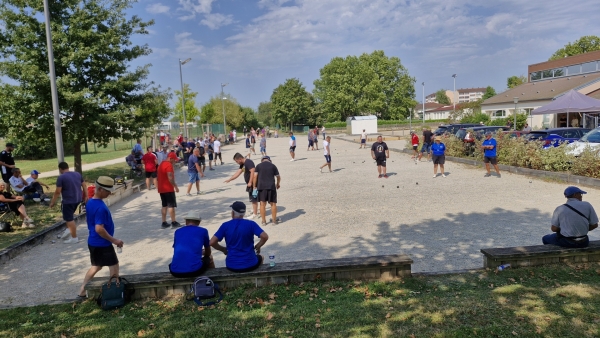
[417, 183]
[398, 187]
[529, 181]
[382, 186]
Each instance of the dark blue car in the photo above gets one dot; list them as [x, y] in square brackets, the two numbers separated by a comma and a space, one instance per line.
[553, 137]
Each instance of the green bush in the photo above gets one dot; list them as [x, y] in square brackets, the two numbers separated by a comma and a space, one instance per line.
[335, 125]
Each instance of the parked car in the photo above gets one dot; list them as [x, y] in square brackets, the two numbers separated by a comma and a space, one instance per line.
[590, 139]
[553, 137]
[453, 128]
[515, 134]
[465, 135]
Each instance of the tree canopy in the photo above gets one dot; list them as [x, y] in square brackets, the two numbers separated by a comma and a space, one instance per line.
[265, 113]
[368, 84]
[588, 43]
[99, 96]
[291, 103]
[191, 111]
[515, 81]
[235, 115]
[489, 92]
[441, 97]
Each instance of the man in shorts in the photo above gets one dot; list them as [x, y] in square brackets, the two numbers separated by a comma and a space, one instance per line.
[217, 148]
[363, 139]
[150, 162]
[490, 154]
[71, 186]
[194, 172]
[263, 145]
[247, 167]
[426, 148]
[241, 253]
[327, 154]
[292, 146]
[311, 141]
[439, 156]
[210, 150]
[414, 139]
[167, 187]
[191, 249]
[102, 230]
[380, 152]
[253, 142]
[264, 178]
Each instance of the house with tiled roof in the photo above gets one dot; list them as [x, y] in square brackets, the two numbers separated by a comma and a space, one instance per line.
[548, 81]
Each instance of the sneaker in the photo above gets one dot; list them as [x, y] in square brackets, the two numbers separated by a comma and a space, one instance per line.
[443, 175]
[277, 220]
[211, 169]
[164, 225]
[487, 175]
[264, 224]
[434, 176]
[499, 176]
[200, 193]
[292, 160]
[175, 224]
[24, 225]
[71, 240]
[31, 225]
[385, 176]
[321, 170]
[28, 220]
[380, 176]
[252, 216]
[188, 194]
[64, 234]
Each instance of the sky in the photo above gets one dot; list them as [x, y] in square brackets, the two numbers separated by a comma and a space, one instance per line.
[255, 45]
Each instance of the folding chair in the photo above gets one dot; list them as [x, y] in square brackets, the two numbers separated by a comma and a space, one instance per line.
[7, 215]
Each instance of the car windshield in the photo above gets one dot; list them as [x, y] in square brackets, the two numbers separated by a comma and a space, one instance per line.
[440, 130]
[461, 133]
[591, 136]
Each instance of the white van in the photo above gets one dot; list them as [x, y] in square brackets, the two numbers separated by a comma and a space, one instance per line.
[590, 139]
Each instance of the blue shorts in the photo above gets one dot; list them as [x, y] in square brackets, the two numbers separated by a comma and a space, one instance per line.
[68, 211]
[193, 177]
[328, 158]
[363, 140]
[263, 149]
[426, 148]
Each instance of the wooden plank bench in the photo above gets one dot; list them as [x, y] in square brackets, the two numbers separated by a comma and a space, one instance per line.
[539, 255]
[160, 284]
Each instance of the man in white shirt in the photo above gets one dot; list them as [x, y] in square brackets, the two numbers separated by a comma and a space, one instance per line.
[234, 136]
[20, 185]
[162, 155]
[363, 140]
[217, 149]
[327, 154]
[323, 132]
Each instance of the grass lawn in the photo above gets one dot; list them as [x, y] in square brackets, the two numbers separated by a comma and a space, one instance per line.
[52, 163]
[44, 216]
[551, 301]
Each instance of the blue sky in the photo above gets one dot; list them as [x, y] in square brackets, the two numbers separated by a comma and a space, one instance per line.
[255, 45]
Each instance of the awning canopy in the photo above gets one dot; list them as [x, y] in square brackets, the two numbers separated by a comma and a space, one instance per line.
[572, 102]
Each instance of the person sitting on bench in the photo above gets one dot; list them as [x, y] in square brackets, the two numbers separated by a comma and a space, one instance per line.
[21, 186]
[572, 221]
[15, 204]
[239, 237]
[191, 251]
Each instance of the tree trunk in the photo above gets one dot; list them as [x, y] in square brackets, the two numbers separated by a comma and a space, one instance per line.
[77, 155]
[86, 147]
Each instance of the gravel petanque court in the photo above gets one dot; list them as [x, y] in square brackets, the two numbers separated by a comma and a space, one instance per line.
[440, 223]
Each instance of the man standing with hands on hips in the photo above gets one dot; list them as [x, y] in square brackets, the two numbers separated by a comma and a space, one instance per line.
[380, 152]
[266, 188]
[102, 229]
[167, 188]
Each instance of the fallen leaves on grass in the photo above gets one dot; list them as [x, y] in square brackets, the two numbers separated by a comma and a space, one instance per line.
[269, 315]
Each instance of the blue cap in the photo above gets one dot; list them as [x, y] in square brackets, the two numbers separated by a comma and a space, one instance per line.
[238, 207]
[35, 172]
[570, 191]
[266, 158]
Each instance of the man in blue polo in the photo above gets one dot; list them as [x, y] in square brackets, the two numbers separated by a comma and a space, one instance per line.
[572, 221]
[242, 254]
[490, 154]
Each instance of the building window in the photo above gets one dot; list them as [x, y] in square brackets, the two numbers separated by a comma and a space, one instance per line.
[588, 67]
[499, 113]
[574, 70]
[536, 76]
[559, 72]
[546, 74]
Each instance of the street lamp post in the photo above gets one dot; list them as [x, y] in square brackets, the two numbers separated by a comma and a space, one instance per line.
[55, 109]
[423, 102]
[454, 92]
[223, 104]
[516, 100]
[181, 63]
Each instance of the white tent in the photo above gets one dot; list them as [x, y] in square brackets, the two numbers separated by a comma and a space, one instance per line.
[356, 124]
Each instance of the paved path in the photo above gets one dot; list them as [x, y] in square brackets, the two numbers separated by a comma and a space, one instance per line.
[441, 223]
[87, 167]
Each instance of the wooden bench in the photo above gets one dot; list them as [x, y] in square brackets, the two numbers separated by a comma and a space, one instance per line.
[160, 284]
[539, 255]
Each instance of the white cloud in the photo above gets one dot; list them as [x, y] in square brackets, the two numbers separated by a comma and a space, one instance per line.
[216, 20]
[188, 46]
[157, 8]
[194, 7]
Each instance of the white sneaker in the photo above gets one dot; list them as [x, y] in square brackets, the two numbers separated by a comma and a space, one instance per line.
[252, 216]
[434, 176]
[443, 175]
[321, 170]
[71, 240]
[292, 160]
[31, 225]
[28, 220]
[64, 234]
[24, 225]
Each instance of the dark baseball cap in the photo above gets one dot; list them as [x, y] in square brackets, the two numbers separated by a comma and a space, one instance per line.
[12, 145]
[570, 191]
[238, 207]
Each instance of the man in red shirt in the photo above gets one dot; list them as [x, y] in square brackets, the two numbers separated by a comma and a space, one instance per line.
[414, 139]
[167, 187]
[180, 138]
[150, 162]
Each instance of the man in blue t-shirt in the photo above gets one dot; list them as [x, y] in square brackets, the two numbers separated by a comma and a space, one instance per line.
[194, 172]
[239, 237]
[191, 249]
[102, 229]
[490, 154]
[71, 186]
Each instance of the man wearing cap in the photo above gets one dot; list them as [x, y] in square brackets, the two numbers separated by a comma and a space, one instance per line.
[264, 178]
[33, 178]
[439, 156]
[71, 186]
[7, 161]
[572, 221]
[20, 185]
[167, 188]
[242, 254]
[191, 249]
[489, 154]
[380, 152]
[102, 229]
[247, 167]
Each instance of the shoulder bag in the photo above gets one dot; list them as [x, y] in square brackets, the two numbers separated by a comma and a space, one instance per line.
[114, 294]
[204, 288]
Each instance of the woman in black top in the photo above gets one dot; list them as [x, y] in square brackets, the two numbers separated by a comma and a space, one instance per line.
[15, 204]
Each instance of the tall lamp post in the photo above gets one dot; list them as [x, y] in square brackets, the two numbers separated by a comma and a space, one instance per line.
[223, 104]
[181, 63]
[423, 102]
[454, 92]
[55, 109]
[516, 100]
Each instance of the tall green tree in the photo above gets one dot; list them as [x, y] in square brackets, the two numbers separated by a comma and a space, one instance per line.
[265, 113]
[515, 81]
[489, 92]
[100, 96]
[212, 111]
[191, 111]
[291, 103]
[585, 44]
[368, 84]
[441, 97]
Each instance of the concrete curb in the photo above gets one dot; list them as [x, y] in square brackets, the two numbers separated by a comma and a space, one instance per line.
[50, 233]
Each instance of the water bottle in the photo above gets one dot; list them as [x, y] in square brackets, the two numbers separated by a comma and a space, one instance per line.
[119, 249]
[271, 259]
[503, 267]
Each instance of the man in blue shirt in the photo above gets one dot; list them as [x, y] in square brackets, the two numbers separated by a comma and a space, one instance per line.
[489, 154]
[239, 237]
[194, 172]
[138, 151]
[439, 156]
[101, 227]
[191, 249]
